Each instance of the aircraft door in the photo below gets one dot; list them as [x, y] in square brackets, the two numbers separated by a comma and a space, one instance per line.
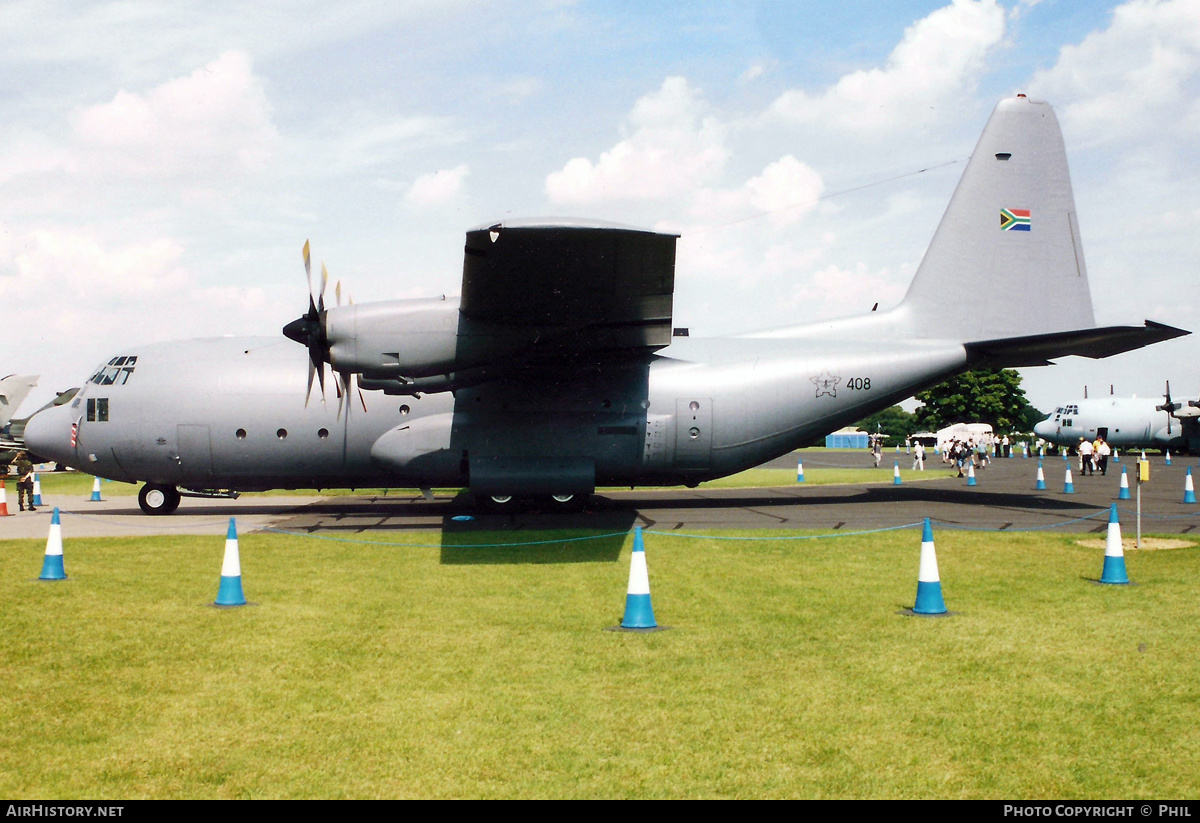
[195, 451]
[693, 432]
[1102, 432]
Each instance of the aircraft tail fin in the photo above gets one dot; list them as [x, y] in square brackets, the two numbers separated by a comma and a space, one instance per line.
[13, 390]
[1006, 260]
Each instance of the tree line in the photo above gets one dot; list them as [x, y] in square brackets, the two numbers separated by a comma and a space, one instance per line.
[990, 396]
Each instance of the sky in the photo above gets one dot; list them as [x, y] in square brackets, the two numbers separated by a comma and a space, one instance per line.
[162, 164]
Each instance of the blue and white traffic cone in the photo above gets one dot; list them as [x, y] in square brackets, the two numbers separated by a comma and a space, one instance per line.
[1066, 456]
[971, 475]
[1114, 554]
[95, 498]
[1068, 484]
[52, 565]
[1189, 491]
[1041, 476]
[896, 473]
[1116, 456]
[639, 613]
[37, 490]
[1168, 457]
[1025, 451]
[230, 592]
[799, 470]
[929, 585]
[1123, 494]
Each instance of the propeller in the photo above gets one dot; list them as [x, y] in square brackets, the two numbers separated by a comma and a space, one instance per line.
[309, 329]
[1169, 407]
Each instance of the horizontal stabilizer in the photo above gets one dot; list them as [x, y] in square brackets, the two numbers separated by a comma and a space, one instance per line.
[1038, 349]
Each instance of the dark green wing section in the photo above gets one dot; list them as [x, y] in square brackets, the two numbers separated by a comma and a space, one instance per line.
[580, 287]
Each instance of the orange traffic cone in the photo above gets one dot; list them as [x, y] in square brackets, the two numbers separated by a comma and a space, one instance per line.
[3, 500]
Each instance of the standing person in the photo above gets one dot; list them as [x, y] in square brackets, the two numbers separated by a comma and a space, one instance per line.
[1101, 452]
[24, 480]
[1085, 456]
[1007, 446]
[919, 456]
[877, 449]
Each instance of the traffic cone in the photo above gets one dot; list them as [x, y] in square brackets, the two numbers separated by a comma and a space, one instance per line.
[1189, 491]
[3, 500]
[1041, 476]
[1025, 451]
[1114, 554]
[1116, 456]
[896, 473]
[1068, 485]
[639, 613]
[95, 498]
[799, 470]
[929, 585]
[230, 592]
[1123, 494]
[52, 565]
[971, 475]
[1168, 457]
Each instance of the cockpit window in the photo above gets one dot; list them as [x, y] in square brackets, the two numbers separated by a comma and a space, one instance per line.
[115, 372]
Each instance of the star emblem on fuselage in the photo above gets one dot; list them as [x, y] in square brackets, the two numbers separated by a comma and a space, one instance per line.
[826, 383]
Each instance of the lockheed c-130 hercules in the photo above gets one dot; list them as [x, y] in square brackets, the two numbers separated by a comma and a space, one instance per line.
[557, 371]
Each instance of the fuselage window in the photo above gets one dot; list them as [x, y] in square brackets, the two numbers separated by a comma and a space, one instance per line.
[322, 433]
[281, 433]
[240, 434]
[97, 409]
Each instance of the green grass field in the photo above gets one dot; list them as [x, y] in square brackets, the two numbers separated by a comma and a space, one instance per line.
[410, 671]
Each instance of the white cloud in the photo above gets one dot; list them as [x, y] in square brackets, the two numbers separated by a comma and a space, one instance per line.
[835, 291]
[673, 147]
[215, 120]
[937, 63]
[1137, 77]
[437, 188]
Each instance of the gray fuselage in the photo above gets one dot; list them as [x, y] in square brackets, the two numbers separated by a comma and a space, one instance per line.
[230, 413]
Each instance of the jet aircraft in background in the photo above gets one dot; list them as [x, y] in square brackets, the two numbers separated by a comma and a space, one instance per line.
[1126, 423]
[557, 370]
[13, 391]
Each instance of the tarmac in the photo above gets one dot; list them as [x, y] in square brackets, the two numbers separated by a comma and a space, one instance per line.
[1004, 499]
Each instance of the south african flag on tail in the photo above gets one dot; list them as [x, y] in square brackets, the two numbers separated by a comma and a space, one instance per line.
[1015, 220]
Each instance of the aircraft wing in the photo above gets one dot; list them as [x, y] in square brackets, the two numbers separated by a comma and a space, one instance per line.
[1037, 349]
[579, 287]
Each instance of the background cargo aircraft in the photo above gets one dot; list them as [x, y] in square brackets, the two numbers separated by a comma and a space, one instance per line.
[556, 370]
[1126, 423]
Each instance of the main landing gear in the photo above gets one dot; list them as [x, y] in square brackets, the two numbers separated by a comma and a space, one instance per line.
[155, 498]
[504, 503]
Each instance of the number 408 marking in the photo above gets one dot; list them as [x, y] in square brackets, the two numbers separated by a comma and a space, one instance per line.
[859, 384]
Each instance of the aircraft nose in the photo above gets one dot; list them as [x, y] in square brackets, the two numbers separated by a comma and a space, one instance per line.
[1043, 429]
[48, 435]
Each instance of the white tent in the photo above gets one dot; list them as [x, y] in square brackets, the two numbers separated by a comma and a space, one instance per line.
[973, 433]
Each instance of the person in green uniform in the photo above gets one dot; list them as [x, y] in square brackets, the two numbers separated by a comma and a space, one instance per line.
[24, 480]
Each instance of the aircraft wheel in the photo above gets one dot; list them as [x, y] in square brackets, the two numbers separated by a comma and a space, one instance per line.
[496, 502]
[158, 499]
[567, 502]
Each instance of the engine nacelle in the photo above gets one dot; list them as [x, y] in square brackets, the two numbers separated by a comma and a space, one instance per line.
[409, 338]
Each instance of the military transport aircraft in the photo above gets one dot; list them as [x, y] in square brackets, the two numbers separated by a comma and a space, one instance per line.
[1126, 423]
[556, 370]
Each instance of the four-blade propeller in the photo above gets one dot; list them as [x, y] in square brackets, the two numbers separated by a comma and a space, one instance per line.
[309, 330]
